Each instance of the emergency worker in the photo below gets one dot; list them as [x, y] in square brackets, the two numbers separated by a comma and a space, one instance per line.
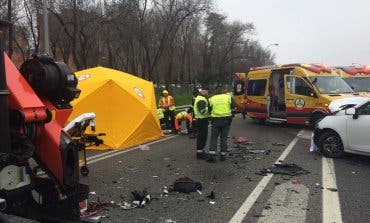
[221, 117]
[167, 104]
[182, 116]
[201, 113]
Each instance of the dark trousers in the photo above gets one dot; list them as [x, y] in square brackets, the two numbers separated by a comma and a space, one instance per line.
[202, 130]
[169, 117]
[220, 127]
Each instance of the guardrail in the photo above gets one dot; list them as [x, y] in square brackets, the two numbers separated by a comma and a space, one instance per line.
[182, 108]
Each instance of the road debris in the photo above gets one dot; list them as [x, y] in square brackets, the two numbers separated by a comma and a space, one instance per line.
[239, 139]
[93, 208]
[284, 169]
[144, 147]
[212, 195]
[278, 144]
[332, 189]
[139, 199]
[186, 185]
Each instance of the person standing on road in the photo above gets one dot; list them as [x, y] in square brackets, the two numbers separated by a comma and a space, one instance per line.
[167, 104]
[201, 113]
[221, 117]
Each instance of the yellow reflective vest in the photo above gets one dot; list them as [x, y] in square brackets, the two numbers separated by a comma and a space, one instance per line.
[221, 106]
[198, 114]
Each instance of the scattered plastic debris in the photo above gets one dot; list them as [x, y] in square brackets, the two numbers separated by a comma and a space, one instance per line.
[92, 209]
[144, 147]
[145, 219]
[212, 195]
[169, 221]
[212, 202]
[186, 185]
[199, 192]
[95, 218]
[155, 176]
[332, 189]
[92, 192]
[239, 139]
[285, 169]
[353, 172]
[139, 199]
[313, 147]
[317, 184]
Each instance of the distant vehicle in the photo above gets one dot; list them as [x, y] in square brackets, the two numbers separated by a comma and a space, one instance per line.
[293, 93]
[356, 77]
[347, 130]
[239, 91]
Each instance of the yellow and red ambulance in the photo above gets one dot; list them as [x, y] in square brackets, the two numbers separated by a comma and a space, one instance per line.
[356, 77]
[293, 93]
[239, 93]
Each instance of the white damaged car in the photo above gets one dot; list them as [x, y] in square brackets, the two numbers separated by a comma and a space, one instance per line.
[346, 130]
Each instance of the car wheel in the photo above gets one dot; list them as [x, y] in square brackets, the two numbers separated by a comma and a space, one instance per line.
[330, 144]
[316, 118]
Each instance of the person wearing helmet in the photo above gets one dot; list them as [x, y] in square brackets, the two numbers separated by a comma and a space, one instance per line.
[182, 116]
[167, 104]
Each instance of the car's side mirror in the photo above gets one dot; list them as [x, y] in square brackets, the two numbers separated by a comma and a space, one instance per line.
[352, 111]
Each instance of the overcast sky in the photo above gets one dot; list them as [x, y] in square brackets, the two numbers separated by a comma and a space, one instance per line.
[335, 32]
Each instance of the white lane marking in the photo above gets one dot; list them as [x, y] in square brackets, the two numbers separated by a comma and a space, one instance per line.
[128, 150]
[251, 199]
[331, 211]
[288, 204]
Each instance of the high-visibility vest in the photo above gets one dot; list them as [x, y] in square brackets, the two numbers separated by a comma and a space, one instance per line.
[220, 105]
[169, 100]
[197, 113]
[160, 113]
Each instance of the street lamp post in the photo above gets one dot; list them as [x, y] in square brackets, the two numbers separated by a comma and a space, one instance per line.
[46, 26]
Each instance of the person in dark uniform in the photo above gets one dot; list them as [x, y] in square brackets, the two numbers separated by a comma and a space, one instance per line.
[201, 112]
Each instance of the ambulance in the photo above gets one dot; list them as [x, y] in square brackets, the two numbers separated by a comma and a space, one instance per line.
[358, 78]
[293, 93]
[239, 87]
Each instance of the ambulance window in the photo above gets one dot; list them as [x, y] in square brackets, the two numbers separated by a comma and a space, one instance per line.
[256, 87]
[238, 87]
[297, 85]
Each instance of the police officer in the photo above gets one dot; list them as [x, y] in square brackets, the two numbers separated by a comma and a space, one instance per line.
[201, 112]
[221, 116]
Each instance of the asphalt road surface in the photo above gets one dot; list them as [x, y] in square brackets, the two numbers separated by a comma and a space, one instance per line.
[332, 191]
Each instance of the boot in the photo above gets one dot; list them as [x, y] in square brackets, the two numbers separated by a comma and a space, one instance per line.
[223, 157]
[201, 155]
[211, 158]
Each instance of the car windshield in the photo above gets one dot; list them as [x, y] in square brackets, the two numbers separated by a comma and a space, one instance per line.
[331, 84]
[359, 84]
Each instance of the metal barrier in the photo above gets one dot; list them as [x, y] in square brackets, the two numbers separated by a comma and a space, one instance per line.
[182, 108]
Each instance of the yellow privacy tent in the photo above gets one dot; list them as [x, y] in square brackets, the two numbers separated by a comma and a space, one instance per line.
[125, 106]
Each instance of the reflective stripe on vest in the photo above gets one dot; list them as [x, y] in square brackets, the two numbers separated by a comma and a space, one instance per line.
[169, 98]
[196, 111]
[220, 105]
